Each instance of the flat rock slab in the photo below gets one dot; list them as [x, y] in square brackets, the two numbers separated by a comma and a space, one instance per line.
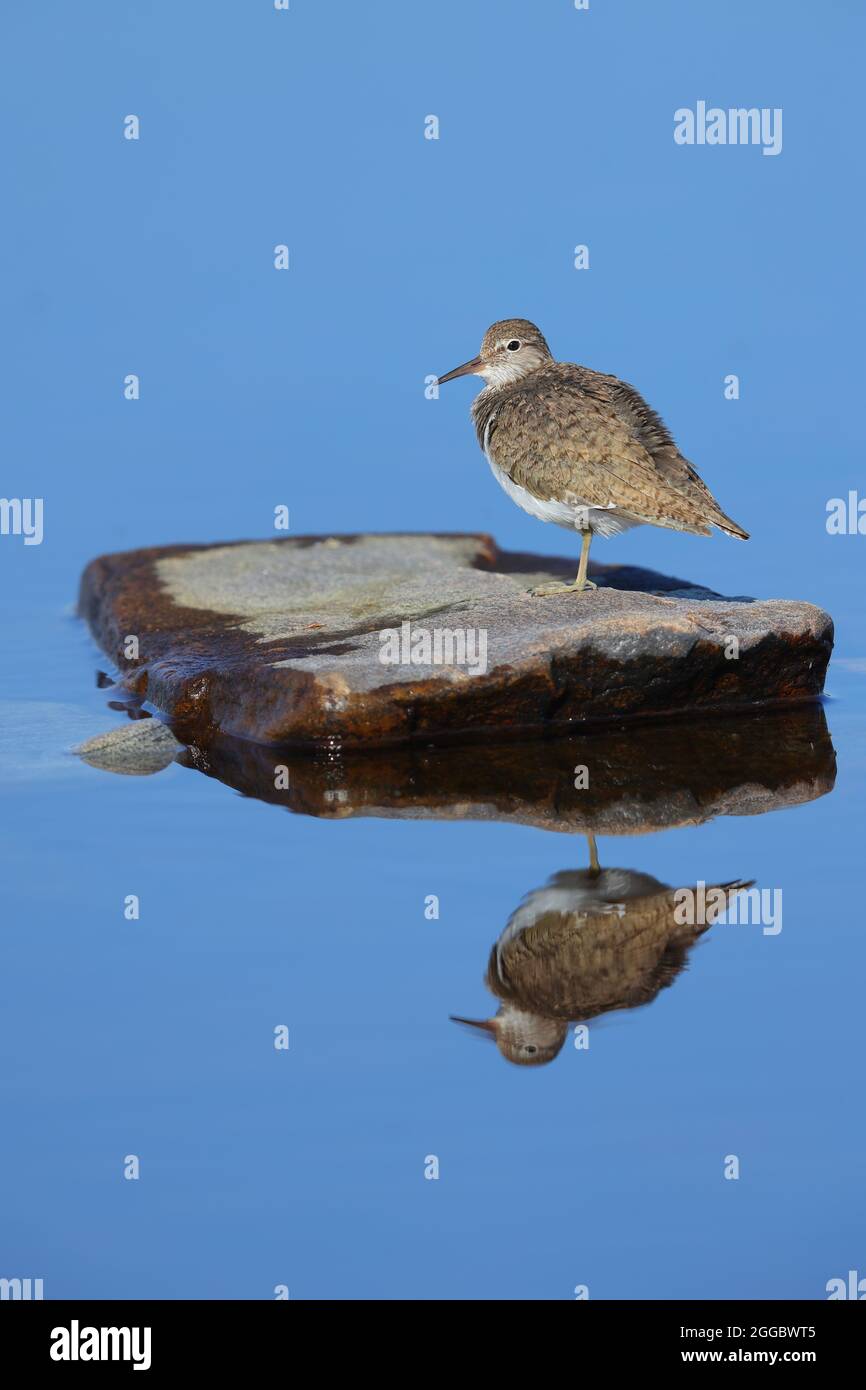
[282, 642]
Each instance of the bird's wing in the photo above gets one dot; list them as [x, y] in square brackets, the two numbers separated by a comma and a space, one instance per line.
[578, 964]
[652, 432]
[573, 434]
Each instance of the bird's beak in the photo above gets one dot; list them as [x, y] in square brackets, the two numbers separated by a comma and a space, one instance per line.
[485, 1024]
[466, 370]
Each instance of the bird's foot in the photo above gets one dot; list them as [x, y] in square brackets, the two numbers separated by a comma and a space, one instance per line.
[548, 590]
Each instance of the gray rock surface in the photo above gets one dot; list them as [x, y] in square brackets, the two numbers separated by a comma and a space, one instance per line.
[282, 641]
[135, 749]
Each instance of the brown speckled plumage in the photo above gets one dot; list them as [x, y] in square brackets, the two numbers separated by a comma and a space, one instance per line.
[588, 942]
[577, 964]
[569, 433]
[566, 434]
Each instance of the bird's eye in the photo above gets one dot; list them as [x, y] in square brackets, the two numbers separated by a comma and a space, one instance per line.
[530, 1049]
[513, 345]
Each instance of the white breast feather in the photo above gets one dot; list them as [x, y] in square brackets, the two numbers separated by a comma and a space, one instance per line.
[604, 521]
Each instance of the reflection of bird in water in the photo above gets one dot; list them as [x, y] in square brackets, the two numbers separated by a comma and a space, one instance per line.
[589, 941]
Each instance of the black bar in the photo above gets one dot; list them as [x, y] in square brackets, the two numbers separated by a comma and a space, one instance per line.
[224, 1337]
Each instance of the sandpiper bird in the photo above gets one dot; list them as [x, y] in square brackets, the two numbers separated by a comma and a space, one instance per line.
[590, 941]
[580, 449]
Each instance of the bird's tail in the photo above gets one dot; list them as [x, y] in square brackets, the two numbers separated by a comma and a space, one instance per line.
[730, 527]
[713, 908]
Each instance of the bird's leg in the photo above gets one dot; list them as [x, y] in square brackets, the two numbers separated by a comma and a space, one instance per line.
[580, 583]
[594, 866]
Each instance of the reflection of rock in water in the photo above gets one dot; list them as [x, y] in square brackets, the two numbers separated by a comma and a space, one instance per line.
[589, 941]
[644, 777]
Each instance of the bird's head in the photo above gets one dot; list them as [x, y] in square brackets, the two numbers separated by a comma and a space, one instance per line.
[523, 1038]
[510, 350]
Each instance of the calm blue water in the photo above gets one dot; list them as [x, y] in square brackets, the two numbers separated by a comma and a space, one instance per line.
[155, 1037]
